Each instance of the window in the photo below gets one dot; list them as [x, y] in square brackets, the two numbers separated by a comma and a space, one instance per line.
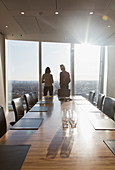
[22, 61]
[87, 60]
[54, 54]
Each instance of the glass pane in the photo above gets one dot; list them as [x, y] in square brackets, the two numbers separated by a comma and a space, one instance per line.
[87, 61]
[22, 61]
[54, 54]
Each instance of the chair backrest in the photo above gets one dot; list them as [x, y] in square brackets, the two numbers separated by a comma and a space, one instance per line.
[109, 107]
[18, 108]
[63, 92]
[35, 97]
[100, 101]
[29, 101]
[3, 127]
[91, 96]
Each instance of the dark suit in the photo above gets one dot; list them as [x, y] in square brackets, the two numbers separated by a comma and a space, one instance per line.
[64, 79]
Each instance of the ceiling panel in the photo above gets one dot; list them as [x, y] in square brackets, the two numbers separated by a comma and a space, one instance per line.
[82, 4]
[73, 23]
[94, 4]
[68, 4]
[112, 5]
[28, 24]
[110, 40]
[47, 24]
[79, 21]
[30, 4]
[86, 28]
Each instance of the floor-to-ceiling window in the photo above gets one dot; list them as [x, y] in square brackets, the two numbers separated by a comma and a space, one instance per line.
[54, 54]
[87, 61]
[22, 62]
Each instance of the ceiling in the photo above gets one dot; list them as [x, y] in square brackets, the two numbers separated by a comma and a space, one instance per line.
[73, 24]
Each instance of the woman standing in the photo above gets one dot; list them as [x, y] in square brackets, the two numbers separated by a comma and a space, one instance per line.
[47, 79]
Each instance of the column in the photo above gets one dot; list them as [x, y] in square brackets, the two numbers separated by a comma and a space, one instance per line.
[72, 68]
[40, 70]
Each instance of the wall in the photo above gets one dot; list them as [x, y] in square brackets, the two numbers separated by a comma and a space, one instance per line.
[2, 72]
[111, 72]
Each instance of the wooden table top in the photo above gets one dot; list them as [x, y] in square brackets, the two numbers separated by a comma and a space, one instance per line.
[55, 147]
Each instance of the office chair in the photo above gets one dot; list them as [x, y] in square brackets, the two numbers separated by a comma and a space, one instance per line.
[91, 96]
[109, 107]
[18, 109]
[3, 126]
[100, 101]
[29, 101]
[63, 92]
[35, 97]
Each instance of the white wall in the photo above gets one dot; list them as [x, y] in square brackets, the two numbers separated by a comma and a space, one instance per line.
[2, 72]
[111, 72]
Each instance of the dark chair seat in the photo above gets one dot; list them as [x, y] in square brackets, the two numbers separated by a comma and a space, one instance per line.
[3, 126]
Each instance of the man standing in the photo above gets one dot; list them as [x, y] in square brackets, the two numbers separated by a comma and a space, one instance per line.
[64, 78]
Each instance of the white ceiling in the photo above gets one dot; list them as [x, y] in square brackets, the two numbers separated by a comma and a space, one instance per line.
[73, 24]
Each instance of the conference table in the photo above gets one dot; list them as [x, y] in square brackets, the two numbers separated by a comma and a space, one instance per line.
[54, 147]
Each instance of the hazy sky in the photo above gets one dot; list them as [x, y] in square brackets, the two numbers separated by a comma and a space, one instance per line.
[23, 60]
[55, 54]
[87, 62]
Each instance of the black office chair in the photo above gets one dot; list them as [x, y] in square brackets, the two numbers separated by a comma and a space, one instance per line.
[18, 109]
[91, 96]
[100, 101]
[63, 93]
[29, 101]
[3, 126]
[109, 107]
[35, 97]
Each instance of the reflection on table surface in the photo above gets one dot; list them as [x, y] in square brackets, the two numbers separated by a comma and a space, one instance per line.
[55, 147]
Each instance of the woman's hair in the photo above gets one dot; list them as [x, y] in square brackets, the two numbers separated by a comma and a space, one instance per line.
[62, 67]
[47, 70]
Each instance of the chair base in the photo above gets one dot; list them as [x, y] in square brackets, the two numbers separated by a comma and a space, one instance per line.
[12, 123]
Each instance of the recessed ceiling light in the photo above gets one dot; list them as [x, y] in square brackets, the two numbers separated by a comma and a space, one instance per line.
[91, 13]
[6, 26]
[22, 13]
[108, 26]
[56, 12]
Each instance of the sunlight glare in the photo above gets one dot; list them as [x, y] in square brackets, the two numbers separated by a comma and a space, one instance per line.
[87, 61]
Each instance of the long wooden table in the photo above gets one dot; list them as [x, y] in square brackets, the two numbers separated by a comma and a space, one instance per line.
[53, 147]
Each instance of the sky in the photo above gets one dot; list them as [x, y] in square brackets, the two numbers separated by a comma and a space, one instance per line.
[87, 62]
[22, 57]
[23, 64]
[55, 54]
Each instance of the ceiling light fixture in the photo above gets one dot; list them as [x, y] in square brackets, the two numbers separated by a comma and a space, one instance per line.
[108, 26]
[22, 13]
[91, 13]
[56, 12]
[6, 26]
